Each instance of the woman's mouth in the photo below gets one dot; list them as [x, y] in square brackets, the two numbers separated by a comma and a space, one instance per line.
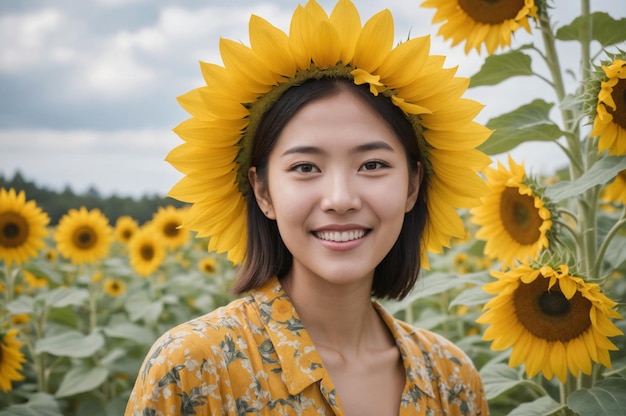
[340, 236]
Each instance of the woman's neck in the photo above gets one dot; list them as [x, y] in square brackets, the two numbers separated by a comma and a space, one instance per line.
[337, 317]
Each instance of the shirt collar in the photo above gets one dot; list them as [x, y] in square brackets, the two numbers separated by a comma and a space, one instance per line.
[411, 352]
[300, 361]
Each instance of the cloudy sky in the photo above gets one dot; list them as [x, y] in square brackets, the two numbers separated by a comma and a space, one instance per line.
[88, 87]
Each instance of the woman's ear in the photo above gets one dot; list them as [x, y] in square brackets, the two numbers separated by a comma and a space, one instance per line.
[261, 193]
[415, 182]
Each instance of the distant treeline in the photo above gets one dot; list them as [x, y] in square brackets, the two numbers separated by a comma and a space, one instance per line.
[56, 204]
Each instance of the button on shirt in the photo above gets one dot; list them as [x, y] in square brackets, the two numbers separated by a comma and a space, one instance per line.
[254, 356]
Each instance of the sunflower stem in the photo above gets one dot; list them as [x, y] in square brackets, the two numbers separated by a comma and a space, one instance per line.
[607, 240]
[11, 274]
[554, 67]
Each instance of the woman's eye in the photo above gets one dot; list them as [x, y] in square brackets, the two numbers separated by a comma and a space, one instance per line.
[372, 165]
[304, 168]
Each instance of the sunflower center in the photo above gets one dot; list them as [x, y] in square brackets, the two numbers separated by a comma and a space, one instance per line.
[13, 229]
[619, 97]
[84, 238]
[519, 216]
[548, 314]
[171, 229]
[554, 303]
[491, 12]
[147, 252]
[126, 234]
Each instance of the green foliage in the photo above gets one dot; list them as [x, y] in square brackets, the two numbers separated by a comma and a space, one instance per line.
[498, 68]
[603, 28]
[605, 398]
[530, 122]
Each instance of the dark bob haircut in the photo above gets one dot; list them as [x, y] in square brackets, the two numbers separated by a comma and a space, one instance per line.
[266, 253]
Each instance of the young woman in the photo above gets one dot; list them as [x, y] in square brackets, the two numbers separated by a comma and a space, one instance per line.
[338, 187]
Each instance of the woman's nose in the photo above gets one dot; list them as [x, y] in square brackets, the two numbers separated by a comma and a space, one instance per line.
[340, 193]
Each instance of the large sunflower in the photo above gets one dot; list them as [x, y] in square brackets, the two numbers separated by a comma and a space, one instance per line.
[513, 220]
[553, 320]
[125, 227]
[167, 221]
[616, 190]
[225, 114]
[146, 251]
[11, 359]
[610, 119]
[478, 22]
[83, 236]
[22, 227]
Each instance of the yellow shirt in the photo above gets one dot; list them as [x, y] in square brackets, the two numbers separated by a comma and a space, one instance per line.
[254, 356]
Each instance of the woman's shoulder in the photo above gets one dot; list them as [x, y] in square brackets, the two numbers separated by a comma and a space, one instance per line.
[203, 333]
[441, 353]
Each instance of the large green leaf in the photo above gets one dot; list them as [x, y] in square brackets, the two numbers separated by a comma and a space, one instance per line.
[64, 296]
[140, 307]
[79, 380]
[473, 296]
[604, 29]
[71, 344]
[600, 173]
[543, 406]
[605, 398]
[530, 122]
[23, 304]
[128, 330]
[498, 378]
[39, 404]
[498, 68]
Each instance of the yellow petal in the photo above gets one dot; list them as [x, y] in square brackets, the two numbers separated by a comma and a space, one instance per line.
[243, 61]
[326, 48]
[375, 42]
[405, 62]
[346, 20]
[271, 45]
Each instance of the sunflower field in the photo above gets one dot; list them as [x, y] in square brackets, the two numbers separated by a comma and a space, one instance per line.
[534, 293]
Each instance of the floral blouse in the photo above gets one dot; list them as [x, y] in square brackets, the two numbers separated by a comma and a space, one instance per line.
[254, 356]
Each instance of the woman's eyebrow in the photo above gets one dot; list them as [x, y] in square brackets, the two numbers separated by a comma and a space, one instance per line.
[376, 145]
[362, 148]
[303, 149]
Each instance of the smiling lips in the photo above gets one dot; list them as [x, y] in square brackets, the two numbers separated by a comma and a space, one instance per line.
[340, 236]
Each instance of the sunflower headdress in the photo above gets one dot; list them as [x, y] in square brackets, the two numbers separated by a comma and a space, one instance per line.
[226, 111]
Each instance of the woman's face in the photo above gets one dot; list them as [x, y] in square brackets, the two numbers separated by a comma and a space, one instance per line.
[338, 187]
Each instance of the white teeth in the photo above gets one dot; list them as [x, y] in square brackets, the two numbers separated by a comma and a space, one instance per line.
[340, 235]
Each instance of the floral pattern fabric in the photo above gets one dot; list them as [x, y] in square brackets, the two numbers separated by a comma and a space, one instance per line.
[254, 356]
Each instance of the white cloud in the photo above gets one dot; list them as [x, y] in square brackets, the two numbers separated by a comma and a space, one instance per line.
[115, 72]
[32, 38]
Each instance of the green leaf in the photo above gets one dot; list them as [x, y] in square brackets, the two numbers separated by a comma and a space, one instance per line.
[71, 344]
[39, 404]
[545, 405]
[130, 331]
[64, 296]
[80, 380]
[530, 122]
[498, 378]
[600, 173]
[604, 29]
[471, 297]
[23, 304]
[605, 398]
[427, 285]
[498, 68]
[142, 308]
[615, 254]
